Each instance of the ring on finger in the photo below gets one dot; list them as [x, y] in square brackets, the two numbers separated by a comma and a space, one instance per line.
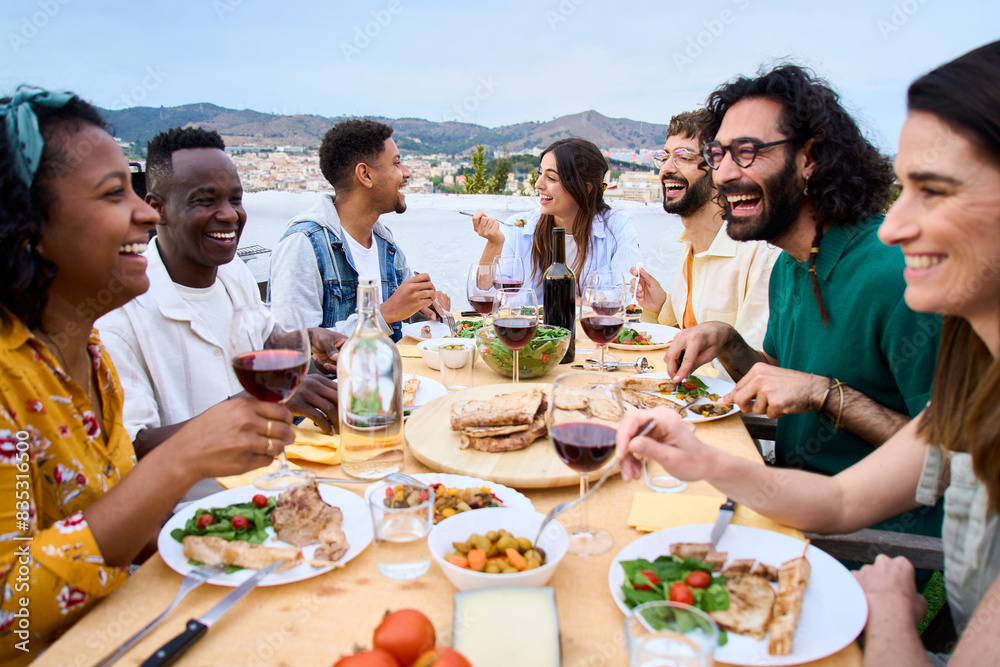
[270, 448]
[268, 434]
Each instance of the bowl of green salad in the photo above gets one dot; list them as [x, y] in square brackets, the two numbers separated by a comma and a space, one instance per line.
[541, 355]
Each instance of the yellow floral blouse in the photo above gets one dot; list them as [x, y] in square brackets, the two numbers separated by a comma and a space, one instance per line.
[56, 458]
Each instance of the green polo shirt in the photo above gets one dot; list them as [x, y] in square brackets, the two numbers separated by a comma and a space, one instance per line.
[873, 343]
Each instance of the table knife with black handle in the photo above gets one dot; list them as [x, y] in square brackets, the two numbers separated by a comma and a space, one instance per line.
[196, 627]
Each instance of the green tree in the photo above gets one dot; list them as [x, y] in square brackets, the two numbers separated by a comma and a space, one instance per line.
[498, 181]
[476, 182]
[530, 180]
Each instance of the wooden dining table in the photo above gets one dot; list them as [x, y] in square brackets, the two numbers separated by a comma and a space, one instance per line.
[315, 621]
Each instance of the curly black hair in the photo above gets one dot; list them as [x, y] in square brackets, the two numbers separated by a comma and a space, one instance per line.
[160, 150]
[346, 144]
[852, 180]
[25, 276]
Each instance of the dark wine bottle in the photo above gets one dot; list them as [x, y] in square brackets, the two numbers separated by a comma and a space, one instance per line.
[559, 292]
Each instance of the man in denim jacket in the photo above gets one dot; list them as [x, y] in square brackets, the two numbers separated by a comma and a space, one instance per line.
[323, 251]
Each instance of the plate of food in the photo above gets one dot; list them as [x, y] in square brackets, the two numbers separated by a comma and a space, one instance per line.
[455, 494]
[313, 528]
[649, 390]
[816, 609]
[644, 336]
[418, 390]
[423, 330]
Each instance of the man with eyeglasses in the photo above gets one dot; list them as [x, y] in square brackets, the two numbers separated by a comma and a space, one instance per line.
[845, 362]
[718, 278]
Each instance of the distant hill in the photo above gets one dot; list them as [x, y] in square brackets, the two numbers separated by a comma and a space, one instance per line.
[414, 135]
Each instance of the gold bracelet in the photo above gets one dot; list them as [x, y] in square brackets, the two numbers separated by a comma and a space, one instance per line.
[840, 411]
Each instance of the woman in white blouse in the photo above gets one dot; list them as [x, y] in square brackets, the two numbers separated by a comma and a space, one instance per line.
[571, 195]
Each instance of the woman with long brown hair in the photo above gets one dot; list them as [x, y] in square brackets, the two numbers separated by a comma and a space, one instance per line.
[947, 223]
[571, 195]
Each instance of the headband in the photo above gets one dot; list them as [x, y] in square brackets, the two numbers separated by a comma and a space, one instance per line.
[21, 126]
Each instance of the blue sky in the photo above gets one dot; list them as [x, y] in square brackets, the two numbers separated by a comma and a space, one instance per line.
[493, 63]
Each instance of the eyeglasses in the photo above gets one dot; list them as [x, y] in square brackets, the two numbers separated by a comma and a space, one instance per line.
[744, 151]
[682, 157]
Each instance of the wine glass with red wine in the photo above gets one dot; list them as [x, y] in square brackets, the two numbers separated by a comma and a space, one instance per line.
[582, 419]
[602, 315]
[270, 356]
[515, 320]
[480, 290]
[602, 277]
[507, 272]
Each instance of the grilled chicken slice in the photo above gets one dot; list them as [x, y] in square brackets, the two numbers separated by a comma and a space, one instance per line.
[751, 599]
[217, 551]
[302, 517]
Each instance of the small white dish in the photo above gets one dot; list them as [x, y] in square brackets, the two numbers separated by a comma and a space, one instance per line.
[415, 329]
[429, 349]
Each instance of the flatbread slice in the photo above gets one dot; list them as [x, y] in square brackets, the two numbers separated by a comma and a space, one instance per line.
[502, 410]
[507, 443]
[751, 599]
[493, 431]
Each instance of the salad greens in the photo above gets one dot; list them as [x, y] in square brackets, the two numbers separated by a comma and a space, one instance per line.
[632, 337]
[694, 387]
[258, 520]
[649, 581]
[535, 358]
[468, 328]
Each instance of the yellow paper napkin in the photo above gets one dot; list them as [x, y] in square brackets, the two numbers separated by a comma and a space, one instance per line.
[655, 511]
[408, 351]
[314, 446]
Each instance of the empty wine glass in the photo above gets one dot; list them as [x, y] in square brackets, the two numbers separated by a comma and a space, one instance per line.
[582, 420]
[515, 320]
[480, 290]
[507, 272]
[271, 369]
[602, 315]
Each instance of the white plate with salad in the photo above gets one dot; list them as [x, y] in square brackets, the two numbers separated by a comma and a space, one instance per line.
[706, 389]
[357, 527]
[834, 609]
[651, 337]
[427, 391]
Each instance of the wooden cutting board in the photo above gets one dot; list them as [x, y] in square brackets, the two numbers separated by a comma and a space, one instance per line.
[434, 444]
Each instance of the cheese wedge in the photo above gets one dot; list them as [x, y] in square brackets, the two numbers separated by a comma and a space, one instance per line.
[491, 623]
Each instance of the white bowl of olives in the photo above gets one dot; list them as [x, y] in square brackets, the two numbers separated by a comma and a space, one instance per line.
[453, 542]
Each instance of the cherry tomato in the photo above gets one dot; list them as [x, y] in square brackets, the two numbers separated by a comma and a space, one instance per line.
[374, 658]
[690, 386]
[424, 495]
[240, 522]
[442, 657]
[205, 520]
[627, 342]
[698, 579]
[545, 358]
[679, 592]
[260, 500]
[405, 634]
[654, 580]
[389, 492]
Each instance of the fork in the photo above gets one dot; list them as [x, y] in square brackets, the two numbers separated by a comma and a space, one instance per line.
[502, 222]
[449, 317]
[562, 507]
[191, 581]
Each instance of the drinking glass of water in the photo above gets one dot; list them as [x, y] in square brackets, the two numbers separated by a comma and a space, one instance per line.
[661, 633]
[401, 529]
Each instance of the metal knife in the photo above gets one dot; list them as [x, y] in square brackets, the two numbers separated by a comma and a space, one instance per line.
[196, 627]
[725, 516]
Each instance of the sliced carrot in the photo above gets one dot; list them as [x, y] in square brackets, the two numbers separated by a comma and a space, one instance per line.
[517, 560]
[458, 559]
[477, 559]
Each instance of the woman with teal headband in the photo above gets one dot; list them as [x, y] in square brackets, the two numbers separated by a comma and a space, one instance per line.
[77, 507]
